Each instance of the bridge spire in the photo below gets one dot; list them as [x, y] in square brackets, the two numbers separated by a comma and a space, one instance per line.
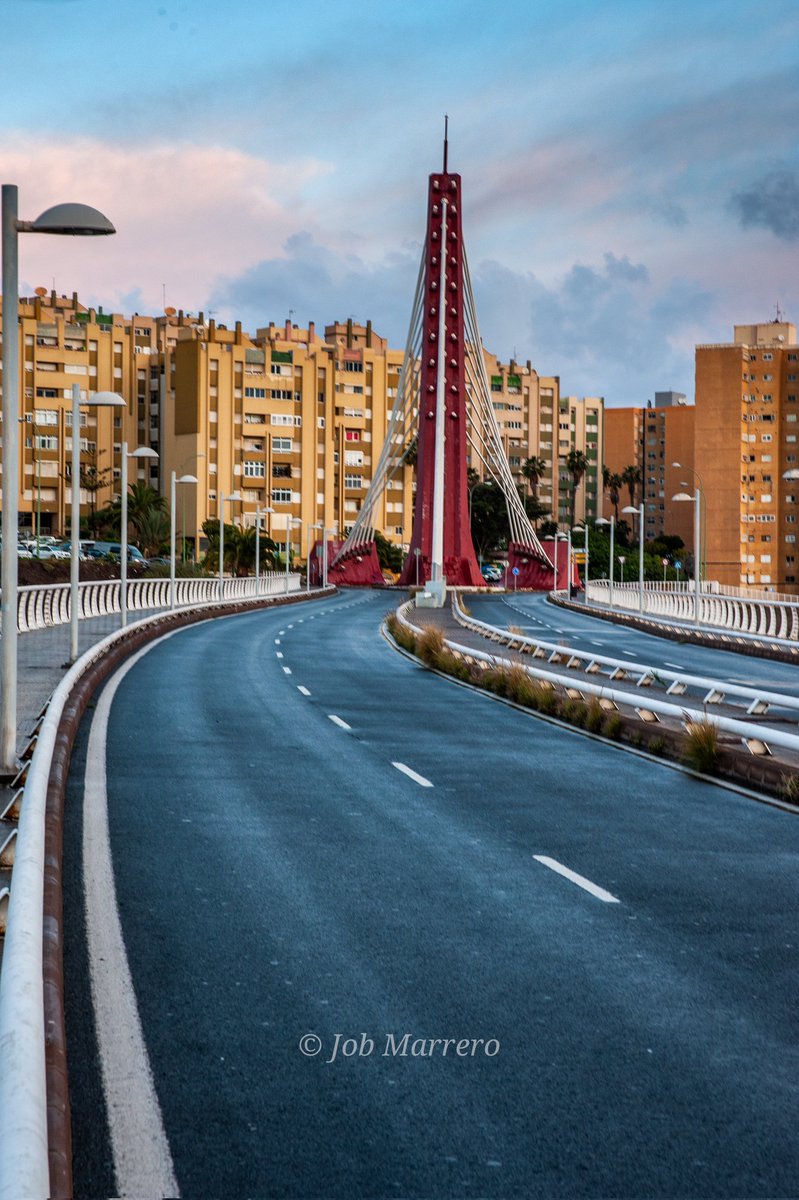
[446, 143]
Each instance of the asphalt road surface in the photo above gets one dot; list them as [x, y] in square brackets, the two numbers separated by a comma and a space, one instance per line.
[319, 847]
[537, 618]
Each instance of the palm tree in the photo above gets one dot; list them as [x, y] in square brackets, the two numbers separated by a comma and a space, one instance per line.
[577, 465]
[152, 531]
[532, 471]
[631, 476]
[143, 503]
[612, 484]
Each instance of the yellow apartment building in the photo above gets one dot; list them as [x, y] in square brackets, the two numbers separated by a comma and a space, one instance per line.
[580, 427]
[747, 422]
[289, 420]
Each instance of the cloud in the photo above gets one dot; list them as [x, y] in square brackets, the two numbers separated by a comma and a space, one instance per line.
[771, 202]
[322, 284]
[182, 214]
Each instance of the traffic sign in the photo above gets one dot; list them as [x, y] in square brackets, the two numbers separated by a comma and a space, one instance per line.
[515, 571]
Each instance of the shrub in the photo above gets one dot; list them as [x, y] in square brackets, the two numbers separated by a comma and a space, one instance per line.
[594, 716]
[657, 745]
[402, 636]
[520, 686]
[545, 700]
[702, 746]
[613, 726]
[429, 645]
[789, 788]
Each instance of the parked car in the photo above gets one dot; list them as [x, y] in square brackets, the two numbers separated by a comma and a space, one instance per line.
[113, 550]
[491, 573]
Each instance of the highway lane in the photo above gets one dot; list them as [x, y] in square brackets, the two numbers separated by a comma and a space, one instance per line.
[279, 874]
[537, 618]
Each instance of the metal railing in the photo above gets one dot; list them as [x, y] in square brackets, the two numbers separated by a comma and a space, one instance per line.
[49, 604]
[721, 610]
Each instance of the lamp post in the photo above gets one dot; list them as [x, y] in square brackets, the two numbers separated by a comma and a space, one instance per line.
[559, 537]
[258, 512]
[630, 508]
[191, 458]
[289, 522]
[701, 490]
[584, 529]
[682, 497]
[622, 561]
[612, 524]
[141, 452]
[174, 481]
[223, 500]
[93, 400]
[417, 552]
[62, 219]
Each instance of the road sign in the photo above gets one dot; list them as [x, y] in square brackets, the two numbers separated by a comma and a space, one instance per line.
[677, 565]
[515, 571]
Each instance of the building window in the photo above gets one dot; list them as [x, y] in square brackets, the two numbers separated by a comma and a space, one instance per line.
[282, 394]
[253, 393]
[353, 481]
[281, 471]
[254, 419]
[353, 366]
[281, 495]
[281, 445]
[253, 470]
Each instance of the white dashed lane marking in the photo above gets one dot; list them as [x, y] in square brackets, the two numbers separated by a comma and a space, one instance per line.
[420, 779]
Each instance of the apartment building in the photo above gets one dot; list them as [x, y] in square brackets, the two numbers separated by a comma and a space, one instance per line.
[747, 423]
[654, 438]
[580, 427]
[288, 420]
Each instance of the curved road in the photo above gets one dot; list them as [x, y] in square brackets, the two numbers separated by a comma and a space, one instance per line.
[536, 617]
[593, 955]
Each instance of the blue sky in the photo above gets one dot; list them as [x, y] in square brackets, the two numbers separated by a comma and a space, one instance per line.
[630, 168]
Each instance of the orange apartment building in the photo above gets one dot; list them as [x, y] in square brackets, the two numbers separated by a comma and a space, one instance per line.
[747, 423]
[653, 439]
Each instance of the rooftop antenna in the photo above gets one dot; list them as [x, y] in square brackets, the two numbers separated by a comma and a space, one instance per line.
[778, 317]
[446, 144]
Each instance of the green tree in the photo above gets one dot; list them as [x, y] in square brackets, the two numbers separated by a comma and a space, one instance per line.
[631, 476]
[612, 484]
[145, 506]
[532, 471]
[577, 465]
[153, 532]
[389, 554]
[92, 479]
[489, 519]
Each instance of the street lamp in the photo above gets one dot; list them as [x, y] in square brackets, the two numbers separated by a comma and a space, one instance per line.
[289, 522]
[141, 452]
[630, 508]
[612, 524]
[696, 498]
[223, 499]
[174, 481]
[62, 219]
[93, 400]
[191, 458]
[258, 512]
[559, 537]
[622, 561]
[584, 529]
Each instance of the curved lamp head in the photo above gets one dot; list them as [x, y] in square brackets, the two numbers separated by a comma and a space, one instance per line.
[683, 496]
[104, 400]
[603, 521]
[78, 219]
[631, 508]
[792, 474]
[143, 452]
[193, 479]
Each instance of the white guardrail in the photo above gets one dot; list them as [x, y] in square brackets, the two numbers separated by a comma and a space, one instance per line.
[641, 705]
[741, 614]
[676, 683]
[24, 1172]
[48, 604]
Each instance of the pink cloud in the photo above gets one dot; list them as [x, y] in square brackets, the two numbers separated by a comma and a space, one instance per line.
[183, 215]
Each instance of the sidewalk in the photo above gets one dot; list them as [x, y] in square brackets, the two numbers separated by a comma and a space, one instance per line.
[42, 663]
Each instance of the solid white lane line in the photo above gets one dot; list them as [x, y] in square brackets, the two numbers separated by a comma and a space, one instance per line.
[338, 721]
[674, 666]
[302, 689]
[580, 880]
[287, 670]
[420, 779]
[142, 1160]
[277, 641]
[279, 654]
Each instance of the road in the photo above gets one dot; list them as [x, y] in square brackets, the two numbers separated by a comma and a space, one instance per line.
[312, 835]
[537, 618]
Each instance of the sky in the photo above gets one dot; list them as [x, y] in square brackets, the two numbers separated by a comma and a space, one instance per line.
[630, 167]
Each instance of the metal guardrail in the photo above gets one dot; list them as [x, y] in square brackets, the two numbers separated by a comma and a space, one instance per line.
[24, 1169]
[751, 735]
[713, 691]
[761, 618]
[44, 605]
